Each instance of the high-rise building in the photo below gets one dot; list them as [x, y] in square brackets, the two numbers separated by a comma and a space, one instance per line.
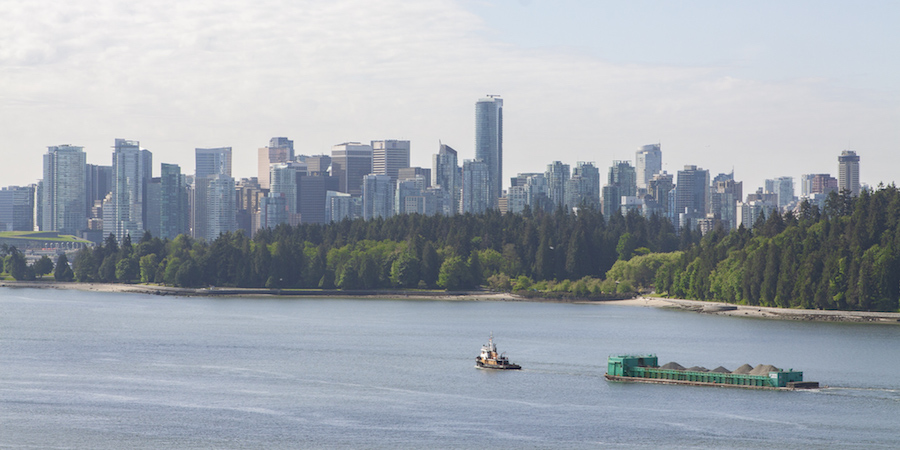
[489, 143]
[783, 188]
[125, 213]
[249, 194]
[98, 183]
[724, 195]
[817, 183]
[848, 172]
[691, 191]
[280, 150]
[648, 162]
[389, 156]
[317, 164]
[64, 199]
[623, 178]
[311, 194]
[17, 208]
[446, 176]
[350, 162]
[659, 187]
[557, 176]
[412, 172]
[174, 213]
[537, 191]
[377, 196]
[284, 182]
[214, 194]
[584, 186]
[475, 191]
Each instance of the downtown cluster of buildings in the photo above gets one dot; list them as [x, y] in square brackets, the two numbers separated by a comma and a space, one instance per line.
[370, 180]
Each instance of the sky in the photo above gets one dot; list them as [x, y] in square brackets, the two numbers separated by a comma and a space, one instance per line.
[766, 88]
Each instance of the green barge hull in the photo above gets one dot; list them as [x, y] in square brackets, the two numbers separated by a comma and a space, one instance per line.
[645, 369]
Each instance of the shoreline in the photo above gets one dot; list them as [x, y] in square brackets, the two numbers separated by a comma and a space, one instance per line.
[703, 307]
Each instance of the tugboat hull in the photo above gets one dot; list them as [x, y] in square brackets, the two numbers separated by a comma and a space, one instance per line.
[482, 365]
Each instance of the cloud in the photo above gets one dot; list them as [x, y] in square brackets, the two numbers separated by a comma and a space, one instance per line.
[179, 75]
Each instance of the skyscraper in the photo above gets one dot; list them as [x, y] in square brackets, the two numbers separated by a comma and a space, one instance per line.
[446, 176]
[214, 208]
[817, 183]
[17, 208]
[64, 198]
[557, 176]
[691, 192]
[378, 196]
[783, 188]
[848, 172]
[350, 162]
[489, 143]
[648, 162]
[174, 215]
[124, 214]
[584, 186]
[389, 156]
[280, 150]
[621, 182]
[475, 191]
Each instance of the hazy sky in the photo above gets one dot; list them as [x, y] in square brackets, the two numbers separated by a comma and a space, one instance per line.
[771, 88]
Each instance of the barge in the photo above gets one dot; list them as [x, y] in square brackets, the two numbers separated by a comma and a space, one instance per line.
[646, 369]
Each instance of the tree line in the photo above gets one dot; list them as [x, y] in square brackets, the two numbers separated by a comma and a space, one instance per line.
[845, 256]
[406, 251]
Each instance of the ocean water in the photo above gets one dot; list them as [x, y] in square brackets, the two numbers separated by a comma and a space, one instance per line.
[102, 370]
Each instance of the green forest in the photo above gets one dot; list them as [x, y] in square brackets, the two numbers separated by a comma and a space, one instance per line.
[842, 257]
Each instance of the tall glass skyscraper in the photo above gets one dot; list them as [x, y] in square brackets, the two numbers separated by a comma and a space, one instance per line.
[214, 193]
[648, 162]
[64, 198]
[489, 143]
[131, 173]
[848, 172]
[447, 177]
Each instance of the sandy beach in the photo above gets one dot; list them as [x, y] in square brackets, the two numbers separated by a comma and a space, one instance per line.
[723, 309]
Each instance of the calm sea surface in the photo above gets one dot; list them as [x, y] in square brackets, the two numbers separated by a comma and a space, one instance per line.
[88, 370]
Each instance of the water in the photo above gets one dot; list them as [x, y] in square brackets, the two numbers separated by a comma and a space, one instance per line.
[90, 370]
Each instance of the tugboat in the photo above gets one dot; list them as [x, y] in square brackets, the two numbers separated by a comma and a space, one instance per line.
[490, 359]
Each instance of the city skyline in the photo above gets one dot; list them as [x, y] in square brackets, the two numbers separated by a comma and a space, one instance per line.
[715, 91]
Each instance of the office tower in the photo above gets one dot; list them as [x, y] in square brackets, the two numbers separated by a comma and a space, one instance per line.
[214, 194]
[350, 162]
[691, 191]
[174, 213]
[557, 175]
[489, 143]
[584, 186]
[17, 208]
[340, 206]
[412, 172]
[98, 183]
[311, 194]
[783, 188]
[272, 211]
[817, 183]
[249, 194]
[280, 150]
[475, 190]
[612, 200]
[648, 162]
[725, 194]
[64, 198]
[446, 176]
[124, 212]
[377, 196]
[153, 205]
[848, 172]
[409, 187]
[389, 156]
[317, 164]
[284, 182]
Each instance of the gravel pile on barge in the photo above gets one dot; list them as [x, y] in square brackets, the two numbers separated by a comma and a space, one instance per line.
[645, 368]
